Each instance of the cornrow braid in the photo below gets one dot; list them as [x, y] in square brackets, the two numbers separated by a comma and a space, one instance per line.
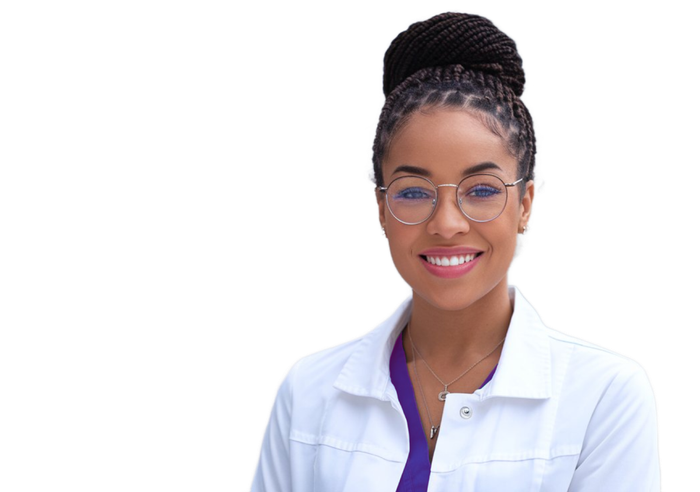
[458, 61]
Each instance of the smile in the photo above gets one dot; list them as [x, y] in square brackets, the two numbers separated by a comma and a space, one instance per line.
[447, 264]
[447, 261]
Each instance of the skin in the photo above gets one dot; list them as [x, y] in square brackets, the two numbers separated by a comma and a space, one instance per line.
[455, 322]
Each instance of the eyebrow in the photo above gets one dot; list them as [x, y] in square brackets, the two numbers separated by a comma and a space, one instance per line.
[482, 166]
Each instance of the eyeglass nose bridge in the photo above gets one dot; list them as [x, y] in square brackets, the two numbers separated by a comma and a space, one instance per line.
[449, 185]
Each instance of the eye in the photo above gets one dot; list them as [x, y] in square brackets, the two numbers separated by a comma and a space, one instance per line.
[413, 193]
[482, 191]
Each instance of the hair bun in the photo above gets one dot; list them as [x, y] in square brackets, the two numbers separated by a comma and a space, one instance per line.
[454, 39]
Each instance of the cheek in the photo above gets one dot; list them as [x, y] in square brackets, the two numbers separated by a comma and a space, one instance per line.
[507, 239]
[402, 240]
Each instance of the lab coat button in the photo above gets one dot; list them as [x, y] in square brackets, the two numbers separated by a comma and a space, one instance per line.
[465, 412]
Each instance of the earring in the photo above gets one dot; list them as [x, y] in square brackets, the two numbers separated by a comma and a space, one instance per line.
[384, 231]
[524, 230]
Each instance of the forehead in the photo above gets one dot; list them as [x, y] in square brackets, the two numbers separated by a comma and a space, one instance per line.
[445, 142]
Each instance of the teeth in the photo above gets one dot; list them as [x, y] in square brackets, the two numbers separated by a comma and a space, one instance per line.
[452, 261]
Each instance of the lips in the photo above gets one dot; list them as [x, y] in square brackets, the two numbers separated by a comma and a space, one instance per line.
[450, 262]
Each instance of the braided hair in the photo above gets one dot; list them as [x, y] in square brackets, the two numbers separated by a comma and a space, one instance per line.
[457, 61]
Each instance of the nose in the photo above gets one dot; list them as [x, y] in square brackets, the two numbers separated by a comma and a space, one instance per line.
[448, 220]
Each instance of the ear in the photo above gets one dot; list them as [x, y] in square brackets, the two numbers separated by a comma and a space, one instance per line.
[526, 205]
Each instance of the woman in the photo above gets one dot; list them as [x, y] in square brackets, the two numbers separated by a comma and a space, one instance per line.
[463, 388]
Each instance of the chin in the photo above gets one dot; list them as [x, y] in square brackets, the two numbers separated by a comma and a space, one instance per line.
[452, 299]
[461, 297]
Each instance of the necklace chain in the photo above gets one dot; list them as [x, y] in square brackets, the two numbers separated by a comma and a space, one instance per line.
[442, 396]
[433, 429]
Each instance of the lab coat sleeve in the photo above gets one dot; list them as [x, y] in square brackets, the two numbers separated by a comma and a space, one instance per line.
[274, 468]
[620, 449]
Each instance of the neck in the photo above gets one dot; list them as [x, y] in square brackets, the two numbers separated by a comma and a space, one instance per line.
[452, 337]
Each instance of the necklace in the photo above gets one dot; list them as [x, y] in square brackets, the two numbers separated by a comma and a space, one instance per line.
[442, 396]
[433, 429]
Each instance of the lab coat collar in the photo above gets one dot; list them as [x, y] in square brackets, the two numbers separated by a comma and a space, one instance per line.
[366, 373]
[524, 369]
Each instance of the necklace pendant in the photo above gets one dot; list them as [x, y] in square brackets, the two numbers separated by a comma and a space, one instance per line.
[433, 430]
[442, 396]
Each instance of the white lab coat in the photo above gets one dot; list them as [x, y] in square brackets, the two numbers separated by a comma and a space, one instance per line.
[559, 415]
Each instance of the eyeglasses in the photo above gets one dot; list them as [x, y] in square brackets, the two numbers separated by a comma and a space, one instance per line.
[413, 199]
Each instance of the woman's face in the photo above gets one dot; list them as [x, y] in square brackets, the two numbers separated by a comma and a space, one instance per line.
[446, 145]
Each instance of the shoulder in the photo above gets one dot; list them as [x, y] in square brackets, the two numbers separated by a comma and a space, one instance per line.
[320, 369]
[357, 368]
[599, 370]
[360, 366]
[346, 363]
[608, 401]
[588, 360]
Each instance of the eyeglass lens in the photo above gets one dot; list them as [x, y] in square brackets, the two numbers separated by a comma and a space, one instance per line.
[411, 199]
